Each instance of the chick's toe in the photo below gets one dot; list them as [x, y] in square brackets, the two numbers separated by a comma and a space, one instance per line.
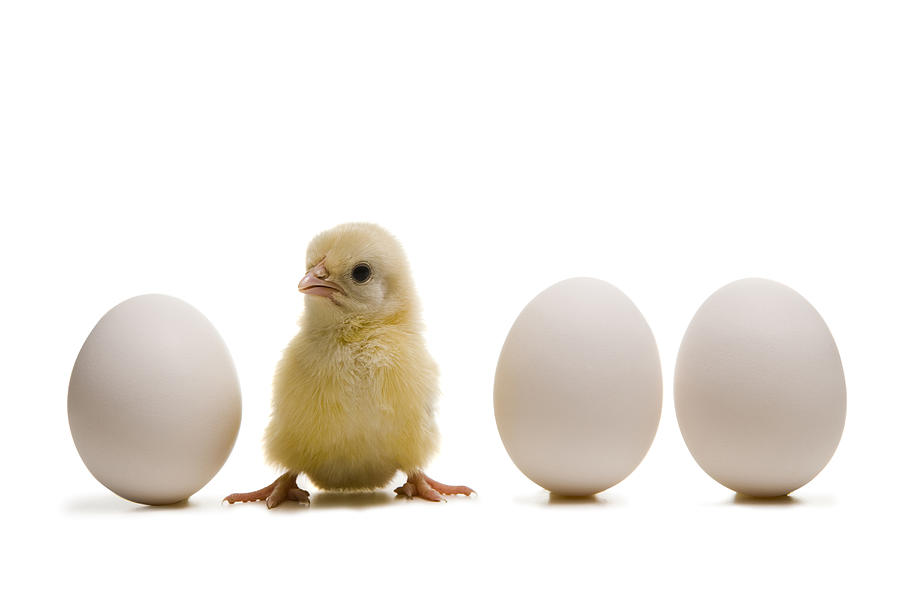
[283, 488]
[419, 484]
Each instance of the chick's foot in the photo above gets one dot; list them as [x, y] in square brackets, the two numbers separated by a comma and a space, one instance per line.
[283, 488]
[420, 484]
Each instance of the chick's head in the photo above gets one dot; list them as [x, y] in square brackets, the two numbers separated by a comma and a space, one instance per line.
[357, 270]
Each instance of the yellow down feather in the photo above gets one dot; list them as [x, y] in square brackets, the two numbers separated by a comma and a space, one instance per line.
[354, 393]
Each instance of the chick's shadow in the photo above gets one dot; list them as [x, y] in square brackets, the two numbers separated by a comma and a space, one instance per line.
[350, 500]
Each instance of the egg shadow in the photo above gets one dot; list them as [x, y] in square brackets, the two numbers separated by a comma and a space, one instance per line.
[111, 504]
[175, 506]
[781, 501]
[769, 501]
[350, 500]
[592, 500]
[551, 499]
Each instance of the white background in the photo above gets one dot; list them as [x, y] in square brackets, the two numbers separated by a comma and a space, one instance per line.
[193, 148]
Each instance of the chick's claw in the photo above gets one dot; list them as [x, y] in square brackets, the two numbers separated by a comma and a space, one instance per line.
[407, 489]
[411, 490]
[298, 495]
[425, 487]
[283, 488]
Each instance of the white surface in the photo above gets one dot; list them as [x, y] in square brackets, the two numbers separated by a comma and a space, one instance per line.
[759, 388]
[154, 401]
[666, 147]
[578, 388]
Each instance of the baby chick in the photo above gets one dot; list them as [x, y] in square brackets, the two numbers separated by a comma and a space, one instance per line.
[354, 393]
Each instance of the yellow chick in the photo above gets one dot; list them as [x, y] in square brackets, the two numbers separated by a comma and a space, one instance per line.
[354, 393]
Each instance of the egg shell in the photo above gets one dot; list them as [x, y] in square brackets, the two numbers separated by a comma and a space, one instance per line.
[578, 388]
[759, 389]
[154, 400]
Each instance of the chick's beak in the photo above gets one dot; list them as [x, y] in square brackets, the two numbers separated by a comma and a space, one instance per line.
[313, 284]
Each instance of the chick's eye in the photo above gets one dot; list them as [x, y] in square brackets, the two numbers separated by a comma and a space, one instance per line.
[361, 273]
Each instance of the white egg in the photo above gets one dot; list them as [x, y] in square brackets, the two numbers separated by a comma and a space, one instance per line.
[154, 400]
[759, 389]
[578, 388]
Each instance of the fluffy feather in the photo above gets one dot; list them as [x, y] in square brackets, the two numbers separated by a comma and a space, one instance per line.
[354, 393]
